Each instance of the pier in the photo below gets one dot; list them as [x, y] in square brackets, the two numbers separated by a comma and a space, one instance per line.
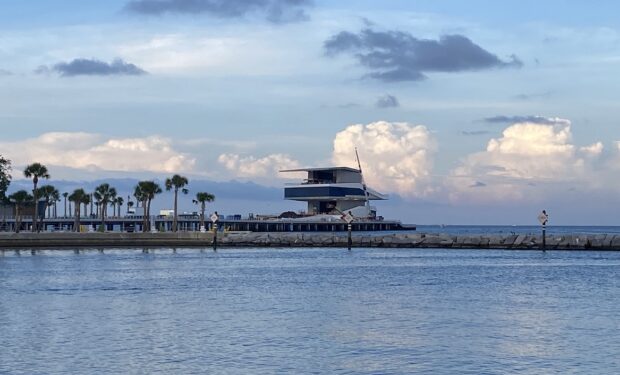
[192, 223]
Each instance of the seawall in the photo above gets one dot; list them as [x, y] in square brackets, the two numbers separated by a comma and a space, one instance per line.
[312, 239]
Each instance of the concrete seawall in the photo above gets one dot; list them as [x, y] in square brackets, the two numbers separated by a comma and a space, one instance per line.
[76, 240]
[360, 239]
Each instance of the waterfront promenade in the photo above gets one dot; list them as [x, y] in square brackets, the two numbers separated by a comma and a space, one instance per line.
[310, 239]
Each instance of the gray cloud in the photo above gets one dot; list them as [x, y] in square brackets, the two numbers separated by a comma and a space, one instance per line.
[517, 119]
[342, 106]
[395, 56]
[474, 132]
[387, 101]
[348, 105]
[544, 95]
[276, 11]
[477, 184]
[92, 67]
[4, 72]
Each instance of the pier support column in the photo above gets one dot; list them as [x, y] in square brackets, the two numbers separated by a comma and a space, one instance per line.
[214, 236]
[350, 239]
[543, 218]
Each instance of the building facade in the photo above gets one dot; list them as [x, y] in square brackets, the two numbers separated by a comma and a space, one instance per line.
[333, 191]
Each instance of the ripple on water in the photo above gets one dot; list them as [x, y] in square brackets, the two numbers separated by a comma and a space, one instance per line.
[248, 311]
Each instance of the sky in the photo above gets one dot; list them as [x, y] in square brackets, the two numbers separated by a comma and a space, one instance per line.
[477, 112]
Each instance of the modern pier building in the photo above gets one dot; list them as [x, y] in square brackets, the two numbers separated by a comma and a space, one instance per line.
[334, 191]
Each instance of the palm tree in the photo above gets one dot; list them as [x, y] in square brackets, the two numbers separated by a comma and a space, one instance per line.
[36, 171]
[104, 194]
[203, 198]
[65, 195]
[113, 203]
[141, 198]
[145, 191]
[78, 197]
[177, 182]
[20, 198]
[50, 194]
[87, 200]
[56, 199]
[119, 202]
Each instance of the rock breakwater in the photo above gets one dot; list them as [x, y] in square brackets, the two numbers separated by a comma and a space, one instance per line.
[311, 239]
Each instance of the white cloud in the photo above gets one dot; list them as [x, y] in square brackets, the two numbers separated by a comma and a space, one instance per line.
[525, 157]
[250, 166]
[93, 151]
[594, 149]
[228, 51]
[396, 157]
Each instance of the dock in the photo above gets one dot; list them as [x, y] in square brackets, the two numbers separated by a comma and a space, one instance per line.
[189, 224]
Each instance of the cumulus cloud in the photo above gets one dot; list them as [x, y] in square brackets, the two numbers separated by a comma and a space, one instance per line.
[594, 149]
[394, 56]
[250, 166]
[396, 157]
[501, 119]
[387, 101]
[93, 151]
[92, 67]
[276, 11]
[527, 153]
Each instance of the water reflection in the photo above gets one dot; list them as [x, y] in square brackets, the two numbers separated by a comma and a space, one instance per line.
[308, 311]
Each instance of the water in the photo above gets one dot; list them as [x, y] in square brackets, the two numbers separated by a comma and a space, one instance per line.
[516, 229]
[310, 311]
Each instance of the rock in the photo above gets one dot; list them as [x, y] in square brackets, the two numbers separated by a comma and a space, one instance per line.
[564, 242]
[519, 241]
[446, 242]
[496, 241]
[615, 243]
[597, 241]
[432, 241]
[401, 241]
[510, 240]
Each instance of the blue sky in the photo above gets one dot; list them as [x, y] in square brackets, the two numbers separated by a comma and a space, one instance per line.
[480, 104]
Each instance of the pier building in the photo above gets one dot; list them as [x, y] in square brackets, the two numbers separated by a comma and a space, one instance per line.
[333, 191]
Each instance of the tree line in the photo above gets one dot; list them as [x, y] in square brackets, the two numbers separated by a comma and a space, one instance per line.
[103, 197]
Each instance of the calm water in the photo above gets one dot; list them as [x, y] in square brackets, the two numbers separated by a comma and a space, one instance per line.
[516, 229]
[304, 311]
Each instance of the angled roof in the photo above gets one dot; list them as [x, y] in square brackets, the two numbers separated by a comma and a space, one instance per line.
[321, 169]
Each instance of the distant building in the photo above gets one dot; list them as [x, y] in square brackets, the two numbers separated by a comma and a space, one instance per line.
[333, 191]
[7, 210]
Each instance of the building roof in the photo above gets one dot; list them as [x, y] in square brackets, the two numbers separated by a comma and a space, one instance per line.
[322, 169]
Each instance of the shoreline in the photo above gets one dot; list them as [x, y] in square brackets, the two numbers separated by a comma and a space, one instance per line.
[69, 240]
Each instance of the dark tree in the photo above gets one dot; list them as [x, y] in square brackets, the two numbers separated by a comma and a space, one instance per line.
[5, 177]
